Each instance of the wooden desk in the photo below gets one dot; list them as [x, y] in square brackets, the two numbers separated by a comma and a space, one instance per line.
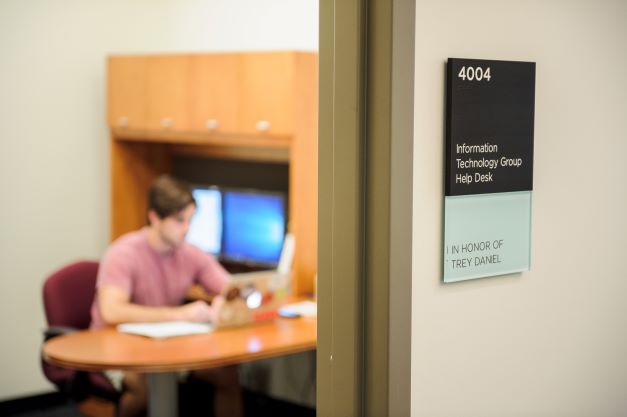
[97, 350]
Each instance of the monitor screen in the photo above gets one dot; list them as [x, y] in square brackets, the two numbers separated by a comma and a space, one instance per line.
[253, 226]
[205, 229]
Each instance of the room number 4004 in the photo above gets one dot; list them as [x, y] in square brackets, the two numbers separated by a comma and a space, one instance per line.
[474, 74]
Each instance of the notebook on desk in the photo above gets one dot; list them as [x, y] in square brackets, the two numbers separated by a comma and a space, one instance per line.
[165, 329]
[252, 297]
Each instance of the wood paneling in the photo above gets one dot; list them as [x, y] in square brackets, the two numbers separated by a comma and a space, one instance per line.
[133, 168]
[304, 174]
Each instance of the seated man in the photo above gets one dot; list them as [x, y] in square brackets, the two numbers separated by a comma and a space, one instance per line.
[144, 277]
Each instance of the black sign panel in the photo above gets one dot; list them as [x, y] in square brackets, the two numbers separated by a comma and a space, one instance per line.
[489, 126]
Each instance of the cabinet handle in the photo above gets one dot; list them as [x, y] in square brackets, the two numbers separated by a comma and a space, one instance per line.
[123, 121]
[166, 122]
[263, 125]
[213, 124]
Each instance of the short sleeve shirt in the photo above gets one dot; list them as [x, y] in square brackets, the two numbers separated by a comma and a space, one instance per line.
[152, 278]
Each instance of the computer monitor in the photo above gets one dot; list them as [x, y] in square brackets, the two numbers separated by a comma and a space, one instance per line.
[253, 226]
[205, 229]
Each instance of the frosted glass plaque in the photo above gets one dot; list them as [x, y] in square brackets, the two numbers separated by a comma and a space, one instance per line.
[486, 235]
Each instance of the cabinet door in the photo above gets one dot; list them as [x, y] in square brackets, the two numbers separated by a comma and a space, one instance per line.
[167, 98]
[213, 92]
[126, 86]
[265, 93]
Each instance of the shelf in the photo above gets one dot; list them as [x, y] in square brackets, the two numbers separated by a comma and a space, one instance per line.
[176, 137]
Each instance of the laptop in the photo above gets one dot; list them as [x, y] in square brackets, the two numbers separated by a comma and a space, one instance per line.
[252, 297]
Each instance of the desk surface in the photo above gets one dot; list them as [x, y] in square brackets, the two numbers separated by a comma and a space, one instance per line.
[96, 350]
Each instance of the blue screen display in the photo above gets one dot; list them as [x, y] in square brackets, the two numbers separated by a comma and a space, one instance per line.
[205, 229]
[253, 226]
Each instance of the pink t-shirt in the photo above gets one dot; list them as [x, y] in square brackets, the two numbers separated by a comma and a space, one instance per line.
[153, 278]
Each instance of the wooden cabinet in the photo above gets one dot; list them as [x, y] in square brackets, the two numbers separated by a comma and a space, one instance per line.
[250, 94]
[127, 92]
[148, 92]
[167, 92]
[257, 106]
[213, 92]
[266, 94]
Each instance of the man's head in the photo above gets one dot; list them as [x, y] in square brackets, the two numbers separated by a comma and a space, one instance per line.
[171, 206]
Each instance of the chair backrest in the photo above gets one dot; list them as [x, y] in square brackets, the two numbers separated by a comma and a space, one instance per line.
[68, 296]
[69, 293]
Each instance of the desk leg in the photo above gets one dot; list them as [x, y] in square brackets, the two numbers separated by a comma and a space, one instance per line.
[163, 394]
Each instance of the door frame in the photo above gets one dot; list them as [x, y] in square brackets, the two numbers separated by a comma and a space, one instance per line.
[365, 173]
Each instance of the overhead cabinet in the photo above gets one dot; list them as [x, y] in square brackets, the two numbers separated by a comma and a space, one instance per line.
[167, 95]
[214, 92]
[127, 92]
[266, 94]
[229, 93]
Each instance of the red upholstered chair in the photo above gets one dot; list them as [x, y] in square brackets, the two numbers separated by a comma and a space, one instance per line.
[68, 295]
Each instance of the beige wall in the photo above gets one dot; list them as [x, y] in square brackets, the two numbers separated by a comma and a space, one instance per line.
[54, 155]
[552, 341]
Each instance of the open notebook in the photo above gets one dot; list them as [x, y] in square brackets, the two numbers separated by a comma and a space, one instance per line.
[162, 330]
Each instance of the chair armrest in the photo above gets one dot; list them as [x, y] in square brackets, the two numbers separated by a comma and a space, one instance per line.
[54, 331]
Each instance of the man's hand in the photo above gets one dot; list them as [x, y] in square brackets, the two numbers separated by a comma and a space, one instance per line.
[216, 305]
[196, 311]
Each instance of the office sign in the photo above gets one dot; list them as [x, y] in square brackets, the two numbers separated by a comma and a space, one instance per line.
[489, 168]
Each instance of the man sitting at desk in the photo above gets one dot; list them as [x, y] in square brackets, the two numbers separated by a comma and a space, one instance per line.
[144, 277]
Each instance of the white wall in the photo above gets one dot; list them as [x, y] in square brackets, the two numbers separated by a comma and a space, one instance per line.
[54, 156]
[553, 341]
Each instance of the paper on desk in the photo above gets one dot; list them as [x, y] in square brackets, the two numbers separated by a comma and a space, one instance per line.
[162, 330]
[303, 308]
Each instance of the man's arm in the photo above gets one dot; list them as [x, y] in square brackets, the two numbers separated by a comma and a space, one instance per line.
[198, 292]
[115, 307]
[211, 275]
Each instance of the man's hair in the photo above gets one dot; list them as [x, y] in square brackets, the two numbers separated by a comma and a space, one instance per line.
[168, 195]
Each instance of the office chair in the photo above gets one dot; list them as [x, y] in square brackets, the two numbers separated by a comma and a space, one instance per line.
[68, 294]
